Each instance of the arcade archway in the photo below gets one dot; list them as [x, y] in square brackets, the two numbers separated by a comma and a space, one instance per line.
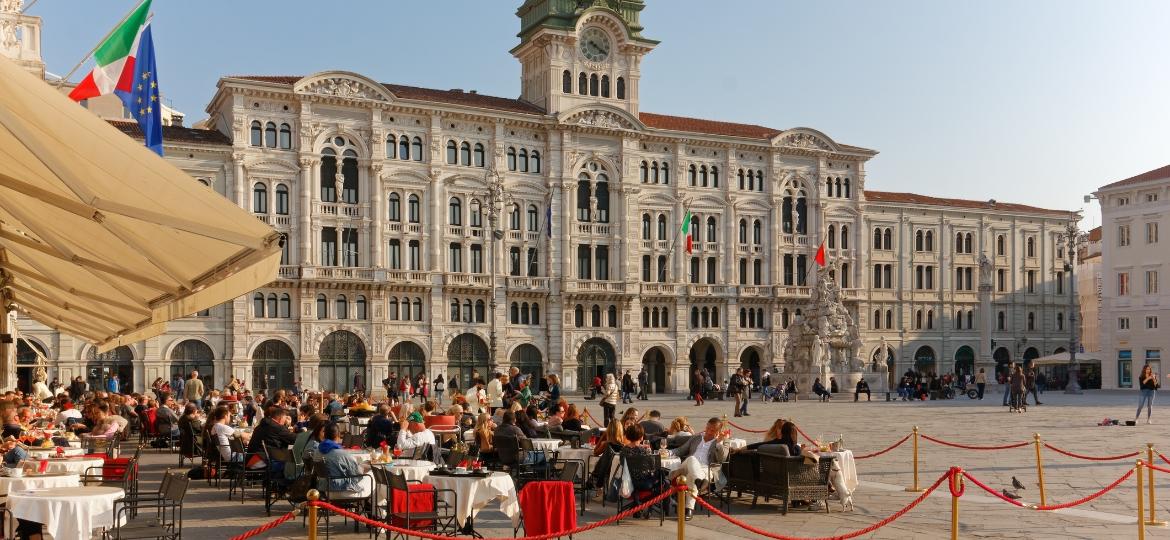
[595, 359]
[655, 363]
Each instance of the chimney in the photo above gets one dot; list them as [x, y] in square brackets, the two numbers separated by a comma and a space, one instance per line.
[177, 119]
[473, 92]
[457, 90]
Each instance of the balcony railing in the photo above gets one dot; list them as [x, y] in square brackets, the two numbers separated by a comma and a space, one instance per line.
[275, 220]
[338, 272]
[593, 228]
[755, 290]
[336, 209]
[657, 288]
[793, 291]
[289, 272]
[467, 280]
[406, 276]
[707, 290]
[595, 286]
[528, 283]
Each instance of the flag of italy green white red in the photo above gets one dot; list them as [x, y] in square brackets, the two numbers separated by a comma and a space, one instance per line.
[686, 230]
[114, 58]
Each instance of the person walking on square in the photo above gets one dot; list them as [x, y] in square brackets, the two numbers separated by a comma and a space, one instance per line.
[1007, 382]
[736, 388]
[627, 387]
[697, 387]
[609, 398]
[1030, 386]
[1018, 403]
[1149, 384]
[981, 381]
[193, 390]
[643, 383]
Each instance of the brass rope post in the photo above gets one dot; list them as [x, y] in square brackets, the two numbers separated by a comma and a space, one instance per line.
[1152, 521]
[1040, 469]
[915, 488]
[956, 481]
[1141, 521]
[682, 505]
[313, 495]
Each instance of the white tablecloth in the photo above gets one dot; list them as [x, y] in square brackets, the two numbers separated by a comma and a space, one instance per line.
[474, 494]
[414, 470]
[25, 483]
[736, 444]
[67, 513]
[584, 455]
[50, 452]
[75, 465]
[546, 445]
[844, 466]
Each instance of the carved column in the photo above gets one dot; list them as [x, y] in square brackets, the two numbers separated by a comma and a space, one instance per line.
[730, 250]
[568, 210]
[437, 223]
[378, 217]
[240, 180]
[304, 213]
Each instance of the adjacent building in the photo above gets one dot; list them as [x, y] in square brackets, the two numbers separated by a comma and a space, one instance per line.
[1133, 259]
[447, 231]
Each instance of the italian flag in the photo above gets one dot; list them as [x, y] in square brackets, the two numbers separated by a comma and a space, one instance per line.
[686, 230]
[114, 58]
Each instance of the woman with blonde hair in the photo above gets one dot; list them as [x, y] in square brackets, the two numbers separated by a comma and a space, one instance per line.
[615, 435]
[484, 432]
[680, 426]
[609, 398]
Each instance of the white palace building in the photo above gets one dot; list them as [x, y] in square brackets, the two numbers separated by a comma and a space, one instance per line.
[445, 231]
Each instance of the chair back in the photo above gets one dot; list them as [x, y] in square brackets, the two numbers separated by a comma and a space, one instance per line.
[351, 440]
[642, 465]
[774, 449]
[571, 471]
[507, 450]
[439, 420]
[177, 488]
[397, 481]
[677, 441]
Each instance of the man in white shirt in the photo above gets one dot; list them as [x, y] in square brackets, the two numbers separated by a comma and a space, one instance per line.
[415, 435]
[699, 454]
[66, 413]
[476, 399]
[495, 393]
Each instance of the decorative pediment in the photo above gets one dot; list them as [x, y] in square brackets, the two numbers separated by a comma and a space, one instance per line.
[602, 117]
[344, 85]
[804, 139]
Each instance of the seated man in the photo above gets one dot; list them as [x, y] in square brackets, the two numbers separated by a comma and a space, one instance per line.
[699, 455]
[416, 435]
[820, 390]
[862, 388]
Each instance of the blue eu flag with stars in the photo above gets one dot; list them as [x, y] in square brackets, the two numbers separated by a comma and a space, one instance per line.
[143, 100]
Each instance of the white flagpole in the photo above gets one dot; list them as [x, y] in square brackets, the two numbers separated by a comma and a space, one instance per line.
[61, 82]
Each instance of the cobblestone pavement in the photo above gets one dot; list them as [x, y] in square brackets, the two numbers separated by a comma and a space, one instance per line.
[1067, 422]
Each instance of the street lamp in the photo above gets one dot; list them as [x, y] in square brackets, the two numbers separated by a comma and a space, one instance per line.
[1074, 239]
[495, 200]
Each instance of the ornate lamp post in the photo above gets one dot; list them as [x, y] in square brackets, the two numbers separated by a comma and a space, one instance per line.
[1074, 239]
[495, 201]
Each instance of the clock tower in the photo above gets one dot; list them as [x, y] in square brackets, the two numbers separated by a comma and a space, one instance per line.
[581, 52]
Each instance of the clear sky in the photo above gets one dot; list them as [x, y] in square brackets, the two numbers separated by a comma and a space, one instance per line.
[1037, 101]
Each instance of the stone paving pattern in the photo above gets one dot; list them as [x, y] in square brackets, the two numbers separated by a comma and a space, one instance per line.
[1068, 422]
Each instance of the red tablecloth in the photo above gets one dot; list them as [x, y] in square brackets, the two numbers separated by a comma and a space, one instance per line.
[422, 500]
[548, 508]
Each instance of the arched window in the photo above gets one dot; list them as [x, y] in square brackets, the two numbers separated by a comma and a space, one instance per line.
[613, 317]
[930, 320]
[260, 198]
[918, 244]
[645, 226]
[605, 86]
[394, 208]
[403, 148]
[282, 199]
[711, 273]
[272, 306]
[646, 317]
[511, 158]
[258, 305]
[533, 218]
[566, 82]
[844, 237]
[465, 154]
[455, 310]
[285, 137]
[578, 316]
[270, 135]
[694, 317]
[342, 307]
[714, 176]
[412, 208]
[451, 153]
[740, 176]
[523, 160]
[877, 238]
[967, 243]
[832, 237]
[665, 173]
[929, 240]
[959, 243]
[1000, 320]
[847, 194]
[285, 306]
[888, 239]
[918, 320]
[583, 192]
[889, 319]
[257, 133]
[534, 159]
[322, 307]
[535, 313]
[479, 311]
[621, 88]
[406, 308]
[876, 323]
[360, 308]
[711, 235]
[743, 231]
[654, 172]
[644, 172]
[415, 149]
[743, 317]
[1031, 247]
[1060, 321]
[602, 199]
[524, 313]
[829, 186]
[455, 212]
[514, 218]
[662, 226]
[703, 176]
[478, 152]
[514, 313]
[1031, 320]
[583, 84]
[695, 233]
[1000, 245]
[593, 89]
[595, 316]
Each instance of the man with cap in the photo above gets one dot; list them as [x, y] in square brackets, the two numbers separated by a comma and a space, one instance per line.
[416, 434]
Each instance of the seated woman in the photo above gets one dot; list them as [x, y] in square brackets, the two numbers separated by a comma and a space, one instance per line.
[790, 390]
[190, 426]
[222, 433]
[308, 440]
[629, 417]
[572, 420]
[615, 436]
[484, 433]
[642, 479]
[339, 463]
[788, 438]
[556, 416]
[554, 391]
[381, 427]
[772, 436]
[680, 426]
[525, 424]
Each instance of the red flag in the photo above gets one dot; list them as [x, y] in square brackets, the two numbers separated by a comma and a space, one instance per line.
[820, 258]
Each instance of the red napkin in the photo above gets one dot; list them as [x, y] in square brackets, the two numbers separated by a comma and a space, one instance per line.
[355, 447]
[44, 466]
[383, 444]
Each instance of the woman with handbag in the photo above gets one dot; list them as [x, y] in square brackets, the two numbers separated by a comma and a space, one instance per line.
[610, 395]
[1149, 384]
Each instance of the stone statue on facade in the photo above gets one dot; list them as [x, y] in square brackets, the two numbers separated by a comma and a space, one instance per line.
[986, 269]
[11, 6]
[338, 184]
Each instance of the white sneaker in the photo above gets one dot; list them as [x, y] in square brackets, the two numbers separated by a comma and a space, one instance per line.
[1148, 421]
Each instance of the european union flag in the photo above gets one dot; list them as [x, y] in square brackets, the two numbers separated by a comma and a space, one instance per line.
[142, 101]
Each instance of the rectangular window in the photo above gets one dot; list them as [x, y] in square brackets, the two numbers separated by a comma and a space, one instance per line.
[1125, 368]
[349, 241]
[413, 255]
[476, 259]
[1123, 323]
[1031, 281]
[603, 262]
[888, 275]
[645, 268]
[1060, 283]
[930, 277]
[711, 275]
[1152, 322]
[533, 262]
[694, 270]
[1001, 280]
[1123, 235]
[455, 258]
[788, 271]
[395, 253]
[328, 246]
[514, 261]
[1123, 284]
[758, 272]
[584, 262]
[1151, 282]
[801, 274]
[1153, 355]
[1152, 233]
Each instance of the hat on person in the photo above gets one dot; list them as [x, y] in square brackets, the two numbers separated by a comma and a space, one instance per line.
[415, 417]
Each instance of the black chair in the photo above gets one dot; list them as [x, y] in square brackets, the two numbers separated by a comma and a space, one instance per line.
[573, 471]
[189, 444]
[440, 520]
[642, 466]
[240, 475]
[352, 501]
[133, 521]
[275, 482]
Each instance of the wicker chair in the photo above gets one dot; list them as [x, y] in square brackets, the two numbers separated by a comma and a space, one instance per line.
[792, 479]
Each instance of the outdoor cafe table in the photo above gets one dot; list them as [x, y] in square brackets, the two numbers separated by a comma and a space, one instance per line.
[845, 466]
[38, 453]
[583, 454]
[545, 445]
[474, 493]
[736, 444]
[67, 513]
[75, 465]
[443, 433]
[413, 470]
[37, 481]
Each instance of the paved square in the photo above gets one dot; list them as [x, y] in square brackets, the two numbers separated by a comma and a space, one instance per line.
[1067, 422]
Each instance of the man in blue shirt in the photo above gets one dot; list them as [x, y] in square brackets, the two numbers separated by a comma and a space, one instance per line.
[112, 384]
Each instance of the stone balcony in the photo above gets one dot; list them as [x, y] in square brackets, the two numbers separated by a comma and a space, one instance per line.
[278, 221]
[342, 273]
[339, 210]
[660, 288]
[407, 276]
[539, 284]
[602, 229]
[587, 286]
[710, 290]
[397, 227]
[467, 280]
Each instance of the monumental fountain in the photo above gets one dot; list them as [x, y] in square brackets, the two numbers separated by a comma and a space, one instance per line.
[824, 341]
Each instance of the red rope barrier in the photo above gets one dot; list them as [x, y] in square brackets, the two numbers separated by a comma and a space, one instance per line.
[266, 527]
[876, 454]
[1077, 502]
[1090, 458]
[845, 536]
[1163, 458]
[803, 434]
[578, 530]
[973, 447]
[1157, 468]
[588, 416]
[741, 428]
[955, 483]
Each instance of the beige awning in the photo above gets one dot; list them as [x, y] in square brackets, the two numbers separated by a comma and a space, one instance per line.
[1062, 358]
[102, 239]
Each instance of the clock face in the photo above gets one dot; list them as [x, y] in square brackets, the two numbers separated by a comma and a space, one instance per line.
[595, 44]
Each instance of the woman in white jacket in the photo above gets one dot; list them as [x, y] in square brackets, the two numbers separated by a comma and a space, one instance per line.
[610, 394]
[495, 393]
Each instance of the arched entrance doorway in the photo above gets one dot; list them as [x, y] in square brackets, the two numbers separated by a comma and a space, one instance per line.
[194, 355]
[655, 363]
[1030, 354]
[704, 354]
[26, 363]
[272, 367]
[407, 359]
[100, 368]
[596, 358]
[924, 360]
[529, 361]
[892, 375]
[965, 361]
[750, 359]
[343, 361]
[467, 355]
[1002, 358]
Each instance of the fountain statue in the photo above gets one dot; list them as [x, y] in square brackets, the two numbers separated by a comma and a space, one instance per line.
[824, 341]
